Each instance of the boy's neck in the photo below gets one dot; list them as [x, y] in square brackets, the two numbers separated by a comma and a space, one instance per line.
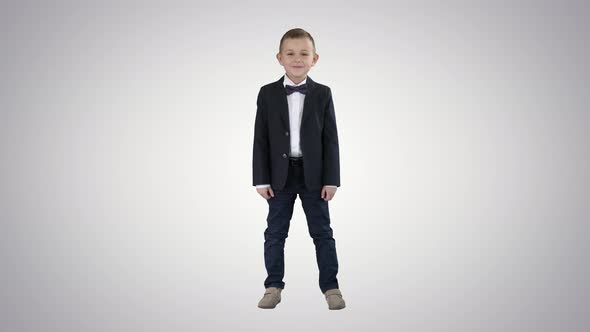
[296, 81]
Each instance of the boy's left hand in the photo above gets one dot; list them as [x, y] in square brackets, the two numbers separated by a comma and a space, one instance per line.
[328, 193]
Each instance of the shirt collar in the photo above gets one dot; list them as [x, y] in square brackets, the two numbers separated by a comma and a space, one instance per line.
[287, 80]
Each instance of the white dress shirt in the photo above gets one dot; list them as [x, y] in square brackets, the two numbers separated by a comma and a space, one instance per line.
[295, 101]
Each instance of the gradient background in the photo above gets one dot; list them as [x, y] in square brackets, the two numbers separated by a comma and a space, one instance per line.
[126, 132]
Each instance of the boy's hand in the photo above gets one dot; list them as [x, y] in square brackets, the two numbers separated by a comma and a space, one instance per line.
[266, 192]
[328, 193]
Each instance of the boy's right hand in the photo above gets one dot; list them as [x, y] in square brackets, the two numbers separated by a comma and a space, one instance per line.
[266, 192]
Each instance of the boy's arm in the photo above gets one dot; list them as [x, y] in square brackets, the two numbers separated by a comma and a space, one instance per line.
[331, 162]
[260, 161]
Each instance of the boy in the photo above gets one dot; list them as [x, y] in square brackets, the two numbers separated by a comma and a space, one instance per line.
[296, 152]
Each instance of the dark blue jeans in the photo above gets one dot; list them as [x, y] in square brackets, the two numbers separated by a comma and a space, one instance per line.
[280, 211]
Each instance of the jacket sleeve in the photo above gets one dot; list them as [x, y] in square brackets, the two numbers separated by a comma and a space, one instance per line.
[331, 158]
[260, 160]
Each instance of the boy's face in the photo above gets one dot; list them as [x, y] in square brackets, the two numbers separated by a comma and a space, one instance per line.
[297, 56]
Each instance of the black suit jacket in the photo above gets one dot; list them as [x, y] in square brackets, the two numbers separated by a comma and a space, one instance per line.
[318, 137]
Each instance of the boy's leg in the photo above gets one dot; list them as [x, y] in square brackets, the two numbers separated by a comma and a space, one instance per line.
[318, 222]
[280, 211]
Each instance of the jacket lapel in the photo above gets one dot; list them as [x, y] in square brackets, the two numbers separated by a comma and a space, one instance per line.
[308, 98]
[283, 104]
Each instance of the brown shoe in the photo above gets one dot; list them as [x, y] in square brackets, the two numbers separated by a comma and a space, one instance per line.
[272, 297]
[334, 299]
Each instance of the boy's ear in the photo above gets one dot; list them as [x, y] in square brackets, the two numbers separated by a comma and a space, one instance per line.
[316, 57]
[279, 56]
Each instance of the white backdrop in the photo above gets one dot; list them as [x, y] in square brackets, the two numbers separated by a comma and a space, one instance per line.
[126, 197]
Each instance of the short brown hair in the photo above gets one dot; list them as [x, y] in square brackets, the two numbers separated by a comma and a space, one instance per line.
[296, 33]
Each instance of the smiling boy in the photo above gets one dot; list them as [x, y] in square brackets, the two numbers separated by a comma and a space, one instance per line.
[296, 153]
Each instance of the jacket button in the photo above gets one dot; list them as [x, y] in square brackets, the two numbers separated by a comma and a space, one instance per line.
[284, 155]
[286, 133]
